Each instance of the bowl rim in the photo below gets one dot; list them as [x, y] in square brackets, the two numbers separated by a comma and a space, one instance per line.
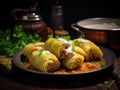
[98, 18]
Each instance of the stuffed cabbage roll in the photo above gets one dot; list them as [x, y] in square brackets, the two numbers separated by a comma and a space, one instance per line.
[28, 49]
[44, 61]
[56, 47]
[92, 51]
[74, 62]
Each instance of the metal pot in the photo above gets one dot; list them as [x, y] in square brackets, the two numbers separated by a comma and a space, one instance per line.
[102, 31]
[31, 22]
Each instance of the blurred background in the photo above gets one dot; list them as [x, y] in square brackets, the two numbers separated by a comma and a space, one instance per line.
[74, 10]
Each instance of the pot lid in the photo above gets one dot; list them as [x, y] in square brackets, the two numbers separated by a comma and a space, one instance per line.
[31, 17]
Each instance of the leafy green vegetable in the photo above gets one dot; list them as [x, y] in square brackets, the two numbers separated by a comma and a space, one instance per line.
[11, 43]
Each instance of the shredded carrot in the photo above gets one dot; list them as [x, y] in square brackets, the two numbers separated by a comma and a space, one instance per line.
[85, 67]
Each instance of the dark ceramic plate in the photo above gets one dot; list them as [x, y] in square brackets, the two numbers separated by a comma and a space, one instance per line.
[108, 57]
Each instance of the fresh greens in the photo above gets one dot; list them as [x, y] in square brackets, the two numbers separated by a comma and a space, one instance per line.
[50, 36]
[67, 37]
[11, 43]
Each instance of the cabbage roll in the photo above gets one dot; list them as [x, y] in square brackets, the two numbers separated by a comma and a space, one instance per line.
[44, 61]
[92, 51]
[73, 62]
[28, 49]
[56, 47]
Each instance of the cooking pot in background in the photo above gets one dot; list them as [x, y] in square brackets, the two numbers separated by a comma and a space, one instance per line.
[31, 21]
[102, 31]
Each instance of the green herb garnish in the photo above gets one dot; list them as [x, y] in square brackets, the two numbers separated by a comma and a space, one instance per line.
[76, 43]
[73, 49]
[67, 37]
[102, 64]
[24, 63]
[50, 36]
[40, 52]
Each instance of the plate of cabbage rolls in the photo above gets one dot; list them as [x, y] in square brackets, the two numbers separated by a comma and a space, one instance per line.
[58, 57]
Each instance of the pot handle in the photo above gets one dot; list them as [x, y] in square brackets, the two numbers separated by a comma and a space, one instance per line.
[76, 27]
[15, 11]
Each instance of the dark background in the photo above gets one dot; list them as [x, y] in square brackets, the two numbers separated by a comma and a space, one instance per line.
[74, 10]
